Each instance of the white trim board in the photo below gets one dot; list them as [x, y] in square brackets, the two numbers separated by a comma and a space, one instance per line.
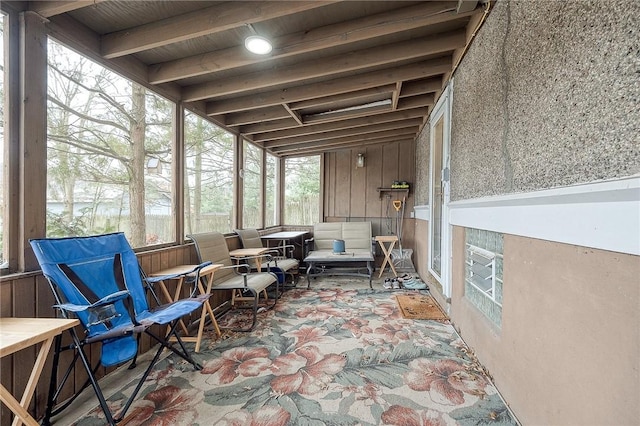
[603, 215]
[421, 212]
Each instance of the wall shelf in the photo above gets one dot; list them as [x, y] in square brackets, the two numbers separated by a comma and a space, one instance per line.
[381, 191]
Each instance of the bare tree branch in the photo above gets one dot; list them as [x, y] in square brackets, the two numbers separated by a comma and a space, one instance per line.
[99, 91]
[86, 116]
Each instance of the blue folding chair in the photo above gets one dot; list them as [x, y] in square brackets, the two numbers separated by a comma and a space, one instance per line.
[98, 280]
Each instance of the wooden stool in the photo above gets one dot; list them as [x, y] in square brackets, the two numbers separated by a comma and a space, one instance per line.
[391, 239]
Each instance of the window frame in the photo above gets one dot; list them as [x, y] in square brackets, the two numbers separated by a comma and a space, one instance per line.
[284, 184]
[183, 178]
[261, 184]
[277, 184]
[10, 142]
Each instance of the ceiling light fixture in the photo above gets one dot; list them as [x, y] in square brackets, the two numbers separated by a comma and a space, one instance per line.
[258, 45]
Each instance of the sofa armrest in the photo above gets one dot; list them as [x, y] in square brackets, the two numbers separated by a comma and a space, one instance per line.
[308, 246]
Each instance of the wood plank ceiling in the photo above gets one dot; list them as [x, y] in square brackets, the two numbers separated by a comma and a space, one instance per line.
[341, 73]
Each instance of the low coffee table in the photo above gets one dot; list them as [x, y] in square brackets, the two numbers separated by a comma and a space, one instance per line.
[325, 262]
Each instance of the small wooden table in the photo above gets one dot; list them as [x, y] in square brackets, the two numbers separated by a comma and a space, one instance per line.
[392, 240]
[20, 333]
[250, 252]
[206, 273]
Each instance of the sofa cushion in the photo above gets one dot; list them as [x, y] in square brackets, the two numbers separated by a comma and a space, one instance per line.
[356, 235]
[324, 233]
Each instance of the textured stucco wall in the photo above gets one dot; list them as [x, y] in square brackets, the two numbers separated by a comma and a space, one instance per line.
[422, 168]
[548, 95]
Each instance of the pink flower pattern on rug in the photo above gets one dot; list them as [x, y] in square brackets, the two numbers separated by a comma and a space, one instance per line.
[166, 406]
[446, 380]
[236, 362]
[323, 357]
[305, 371]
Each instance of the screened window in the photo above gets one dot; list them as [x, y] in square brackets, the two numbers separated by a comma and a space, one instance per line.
[271, 191]
[209, 176]
[302, 190]
[252, 184]
[109, 153]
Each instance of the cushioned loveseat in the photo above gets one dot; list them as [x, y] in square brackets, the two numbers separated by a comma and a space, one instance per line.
[358, 250]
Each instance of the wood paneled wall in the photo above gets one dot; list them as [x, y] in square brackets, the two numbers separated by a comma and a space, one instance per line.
[29, 295]
[351, 194]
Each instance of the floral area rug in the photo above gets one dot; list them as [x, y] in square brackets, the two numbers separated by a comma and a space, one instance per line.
[322, 357]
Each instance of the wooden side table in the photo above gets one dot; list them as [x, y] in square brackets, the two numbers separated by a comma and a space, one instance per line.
[206, 273]
[249, 252]
[391, 239]
[20, 333]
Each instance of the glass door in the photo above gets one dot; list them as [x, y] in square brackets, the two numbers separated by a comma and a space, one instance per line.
[439, 229]
[438, 198]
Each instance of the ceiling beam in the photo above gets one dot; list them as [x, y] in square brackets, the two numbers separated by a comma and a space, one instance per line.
[336, 86]
[275, 129]
[346, 114]
[47, 9]
[466, 6]
[257, 116]
[268, 126]
[423, 14]
[340, 97]
[294, 114]
[319, 149]
[360, 137]
[324, 137]
[339, 125]
[396, 95]
[354, 61]
[198, 23]
[346, 104]
[277, 112]
[403, 104]
[419, 87]
[418, 101]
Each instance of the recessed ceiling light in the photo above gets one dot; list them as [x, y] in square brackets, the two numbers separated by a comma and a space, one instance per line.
[258, 45]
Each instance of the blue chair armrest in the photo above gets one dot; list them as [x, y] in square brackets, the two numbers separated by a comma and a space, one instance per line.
[100, 311]
[107, 300]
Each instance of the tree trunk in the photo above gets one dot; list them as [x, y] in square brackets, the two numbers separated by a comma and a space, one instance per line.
[197, 193]
[137, 167]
